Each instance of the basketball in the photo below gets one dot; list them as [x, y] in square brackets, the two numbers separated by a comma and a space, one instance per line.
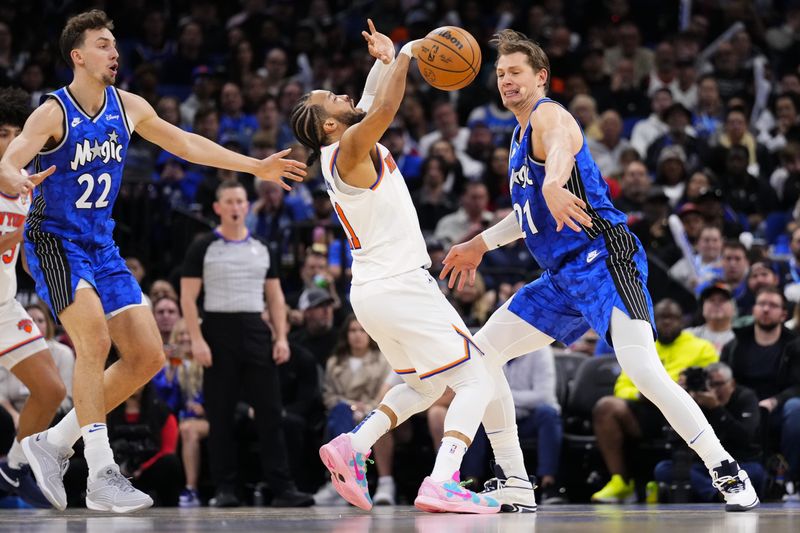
[449, 58]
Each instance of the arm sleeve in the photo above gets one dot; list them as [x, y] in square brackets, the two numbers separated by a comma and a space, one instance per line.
[169, 441]
[376, 74]
[502, 233]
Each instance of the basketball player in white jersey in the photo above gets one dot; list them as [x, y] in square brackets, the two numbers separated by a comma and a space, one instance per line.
[395, 299]
[22, 346]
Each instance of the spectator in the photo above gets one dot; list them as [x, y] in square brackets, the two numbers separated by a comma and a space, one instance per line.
[431, 200]
[708, 113]
[735, 267]
[784, 408]
[626, 96]
[277, 132]
[671, 172]
[685, 91]
[627, 415]
[748, 195]
[707, 262]
[584, 108]
[500, 121]
[735, 133]
[167, 312]
[786, 108]
[446, 126]
[790, 269]
[652, 228]
[630, 49]
[190, 54]
[496, 178]
[201, 97]
[473, 302]
[732, 411]
[144, 437]
[718, 310]
[648, 130]
[162, 288]
[354, 375]
[317, 333]
[459, 167]
[470, 219]
[759, 276]
[273, 215]
[409, 163]
[233, 120]
[609, 147]
[664, 74]
[757, 354]
[679, 134]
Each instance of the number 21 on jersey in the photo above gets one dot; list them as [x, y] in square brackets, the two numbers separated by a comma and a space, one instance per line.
[355, 243]
[526, 210]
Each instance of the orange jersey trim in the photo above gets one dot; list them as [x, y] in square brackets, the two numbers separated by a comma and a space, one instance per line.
[355, 243]
[383, 166]
[21, 344]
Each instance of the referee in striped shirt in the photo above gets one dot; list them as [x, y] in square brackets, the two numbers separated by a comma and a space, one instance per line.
[236, 272]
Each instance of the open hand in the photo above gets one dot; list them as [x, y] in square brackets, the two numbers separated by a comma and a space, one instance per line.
[565, 207]
[463, 260]
[23, 184]
[378, 44]
[275, 167]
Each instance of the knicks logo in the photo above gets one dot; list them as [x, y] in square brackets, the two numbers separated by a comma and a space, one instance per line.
[87, 152]
[389, 160]
[25, 325]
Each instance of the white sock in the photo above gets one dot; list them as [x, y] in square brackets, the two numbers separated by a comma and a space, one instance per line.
[67, 432]
[448, 460]
[387, 481]
[96, 449]
[707, 446]
[507, 452]
[367, 433]
[16, 457]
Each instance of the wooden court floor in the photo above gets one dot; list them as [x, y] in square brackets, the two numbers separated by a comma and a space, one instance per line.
[772, 518]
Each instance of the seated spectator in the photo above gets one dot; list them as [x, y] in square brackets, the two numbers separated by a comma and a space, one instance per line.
[748, 195]
[679, 134]
[233, 120]
[608, 148]
[707, 262]
[648, 130]
[784, 409]
[532, 379]
[470, 219]
[317, 333]
[732, 411]
[501, 121]
[626, 96]
[460, 167]
[445, 121]
[273, 214]
[496, 178]
[789, 270]
[408, 161]
[671, 172]
[628, 416]
[759, 276]
[584, 108]
[62, 354]
[735, 267]
[786, 108]
[473, 302]
[708, 113]
[718, 310]
[653, 230]
[144, 437]
[354, 375]
[162, 288]
[167, 312]
[735, 133]
[431, 200]
[635, 184]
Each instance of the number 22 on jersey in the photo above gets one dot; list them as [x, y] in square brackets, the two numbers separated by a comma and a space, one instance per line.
[355, 243]
[87, 180]
[526, 210]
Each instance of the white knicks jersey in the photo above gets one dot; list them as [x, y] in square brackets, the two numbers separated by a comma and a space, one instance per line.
[380, 222]
[13, 211]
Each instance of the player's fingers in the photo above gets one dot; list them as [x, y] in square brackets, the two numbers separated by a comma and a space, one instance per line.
[453, 277]
[472, 274]
[371, 27]
[366, 37]
[279, 155]
[37, 178]
[445, 270]
[286, 186]
[294, 174]
[572, 224]
[559, 225]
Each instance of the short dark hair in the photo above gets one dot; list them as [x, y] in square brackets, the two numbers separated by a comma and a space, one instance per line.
[772, 290]
[734, 245]
[74, 33]
[15, 107]
[229, 184]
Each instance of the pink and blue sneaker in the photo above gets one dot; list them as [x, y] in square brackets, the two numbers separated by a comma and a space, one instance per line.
[452, 497]
[348, 470]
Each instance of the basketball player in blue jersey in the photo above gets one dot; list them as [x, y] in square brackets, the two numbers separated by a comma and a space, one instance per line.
[595, 271]
[80, 134]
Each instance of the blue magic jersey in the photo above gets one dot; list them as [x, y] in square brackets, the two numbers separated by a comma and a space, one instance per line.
[526, 176]
[75, 202]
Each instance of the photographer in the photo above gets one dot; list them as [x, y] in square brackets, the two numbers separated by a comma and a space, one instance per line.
[732, 410]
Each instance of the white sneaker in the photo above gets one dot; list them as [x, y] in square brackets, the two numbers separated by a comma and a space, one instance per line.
[112, 491]
[327, 495]
[514, 494]
[735, 486]
[48, 463]
[384, 494]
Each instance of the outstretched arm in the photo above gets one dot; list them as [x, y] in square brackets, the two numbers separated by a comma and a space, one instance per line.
[559, 135]
[198, 149]
[43, 124]
[360, 139]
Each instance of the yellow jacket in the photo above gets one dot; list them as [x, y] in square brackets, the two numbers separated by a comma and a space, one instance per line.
[685, 351]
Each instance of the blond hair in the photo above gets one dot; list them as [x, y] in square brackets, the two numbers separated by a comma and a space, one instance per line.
[510, 42]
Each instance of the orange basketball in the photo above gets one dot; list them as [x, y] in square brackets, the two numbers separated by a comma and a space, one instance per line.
[449, 58]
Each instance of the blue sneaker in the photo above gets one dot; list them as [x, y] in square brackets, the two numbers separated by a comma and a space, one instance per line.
[189, 498]
[22, 483]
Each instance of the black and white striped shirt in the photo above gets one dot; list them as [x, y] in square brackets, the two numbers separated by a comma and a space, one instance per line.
[233, 272]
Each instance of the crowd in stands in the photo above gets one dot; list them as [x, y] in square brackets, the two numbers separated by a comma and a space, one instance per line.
[690, 114]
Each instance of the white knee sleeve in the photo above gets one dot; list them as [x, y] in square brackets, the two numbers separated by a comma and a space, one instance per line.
[412, 397]
[474, 389]
[636, 353]
[506, 336]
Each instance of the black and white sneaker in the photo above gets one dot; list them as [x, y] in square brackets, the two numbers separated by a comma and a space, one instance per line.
[514, 494]
[735, 486]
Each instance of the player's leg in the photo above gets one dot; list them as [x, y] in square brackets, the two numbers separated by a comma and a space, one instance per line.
[40, 375]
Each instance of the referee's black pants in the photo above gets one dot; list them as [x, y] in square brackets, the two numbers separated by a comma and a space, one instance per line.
[242, 369]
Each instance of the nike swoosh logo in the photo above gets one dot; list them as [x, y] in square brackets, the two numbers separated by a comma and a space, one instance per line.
[462, 495]
[359, 475]
[97, 427]
[697, 437]
[13, 482]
